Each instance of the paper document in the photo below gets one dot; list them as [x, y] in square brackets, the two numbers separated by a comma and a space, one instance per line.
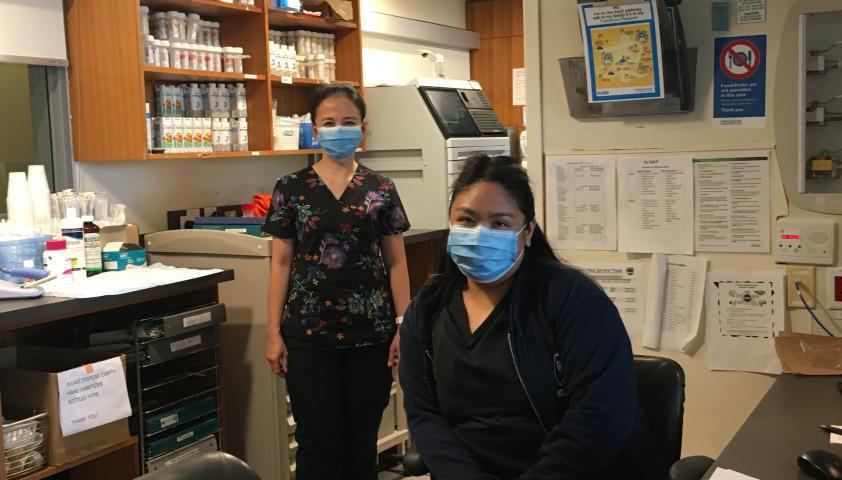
[732, 204]
[518, 86]
[655, 204]
[581, 202]
[744, 310]
[124, 281]
[725, 474]
[674, 302]
[835, 437]
[623, 283]
[92, 395]
[622, 51]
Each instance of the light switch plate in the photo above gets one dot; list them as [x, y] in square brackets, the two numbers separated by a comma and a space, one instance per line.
[807, 277]
[805, 241]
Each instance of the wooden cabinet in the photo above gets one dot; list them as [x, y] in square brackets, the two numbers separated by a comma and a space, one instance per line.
[109, 82]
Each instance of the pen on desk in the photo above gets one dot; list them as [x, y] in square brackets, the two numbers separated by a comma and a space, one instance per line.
[832, 429]
[38, 282]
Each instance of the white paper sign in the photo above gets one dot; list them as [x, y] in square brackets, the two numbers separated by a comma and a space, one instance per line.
[624, 284]
[92, 395]
[744, 311]
[581, 202]
[751, 11]
[518, 86]
[655, 204]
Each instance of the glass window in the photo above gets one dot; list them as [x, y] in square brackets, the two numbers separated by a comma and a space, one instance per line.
[25, 126]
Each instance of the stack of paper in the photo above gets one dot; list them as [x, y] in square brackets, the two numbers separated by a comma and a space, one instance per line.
[725, 474]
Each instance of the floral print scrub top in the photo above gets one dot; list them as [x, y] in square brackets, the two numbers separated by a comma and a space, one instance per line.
[339, 291]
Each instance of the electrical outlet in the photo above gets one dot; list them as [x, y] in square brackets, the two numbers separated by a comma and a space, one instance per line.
[807, 277]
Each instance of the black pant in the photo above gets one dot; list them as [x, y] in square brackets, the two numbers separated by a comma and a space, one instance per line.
[338, 398]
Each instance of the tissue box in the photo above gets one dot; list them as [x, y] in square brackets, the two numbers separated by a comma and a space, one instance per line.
[122, 255]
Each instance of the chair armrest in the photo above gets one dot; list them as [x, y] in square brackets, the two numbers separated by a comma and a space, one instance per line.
[690, 468]
[413, 465]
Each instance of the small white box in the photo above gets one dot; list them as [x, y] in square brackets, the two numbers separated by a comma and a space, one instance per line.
[806, 241]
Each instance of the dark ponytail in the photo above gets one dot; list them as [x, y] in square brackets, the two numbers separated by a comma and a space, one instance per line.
[506, 172]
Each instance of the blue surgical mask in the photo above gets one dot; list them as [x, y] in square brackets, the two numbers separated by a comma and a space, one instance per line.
[341, 142]
[483, 254]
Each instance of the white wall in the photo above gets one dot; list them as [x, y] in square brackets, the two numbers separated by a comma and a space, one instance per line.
[443, 12]
[717, 402]
[392, 61]
[150, 188]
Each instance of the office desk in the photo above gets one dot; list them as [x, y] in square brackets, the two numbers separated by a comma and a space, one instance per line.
[783, 426]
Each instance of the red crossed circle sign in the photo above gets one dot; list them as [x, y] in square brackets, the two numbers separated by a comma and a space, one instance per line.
[739, 59]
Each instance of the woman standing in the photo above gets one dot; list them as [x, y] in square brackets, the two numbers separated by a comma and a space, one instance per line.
[514, 365]
[338, 282]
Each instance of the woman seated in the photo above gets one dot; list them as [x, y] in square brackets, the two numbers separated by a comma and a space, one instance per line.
[513, 364]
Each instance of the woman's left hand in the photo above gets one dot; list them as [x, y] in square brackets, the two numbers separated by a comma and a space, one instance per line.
[394, 354]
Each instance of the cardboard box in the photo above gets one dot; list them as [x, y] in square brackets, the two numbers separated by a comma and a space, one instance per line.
[28, 379]
[128, 233]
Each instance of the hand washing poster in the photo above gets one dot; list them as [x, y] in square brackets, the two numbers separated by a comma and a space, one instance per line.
[622, 52]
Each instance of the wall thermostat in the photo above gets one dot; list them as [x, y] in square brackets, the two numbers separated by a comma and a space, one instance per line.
[802, 240]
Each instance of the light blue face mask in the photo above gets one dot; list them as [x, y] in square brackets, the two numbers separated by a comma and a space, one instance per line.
[483, 254]
[340, 143]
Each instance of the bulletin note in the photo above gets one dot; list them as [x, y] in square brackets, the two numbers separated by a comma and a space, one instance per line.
[655, 204]
[581, 202]
[732, 204]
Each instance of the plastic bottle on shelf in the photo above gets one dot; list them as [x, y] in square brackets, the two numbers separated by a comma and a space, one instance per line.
[300, 66]
[175, 55]
[149, 50]
[311, 67]
[184, 53]
[201, 50]
[238, 59]
[217, 58]
[224, 101]
[164, 53]
[321, 68]
[160, 26]
[144, 20]
[197, 107]
[148, 128]
[182, 26]
[156, 53]
[207, 33]
[193, 56]
[228, 59]
[214, 33]
[173, 28]
[273, 60]
[241, 100]
[331, 69]
[193, 27]
[208, 54]
[293, 62]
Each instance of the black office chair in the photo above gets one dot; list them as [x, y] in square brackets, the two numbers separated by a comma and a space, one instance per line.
[215, 465]
[660, 392]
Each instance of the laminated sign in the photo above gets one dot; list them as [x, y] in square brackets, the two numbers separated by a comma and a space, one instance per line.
[739, 82]
[92, 395]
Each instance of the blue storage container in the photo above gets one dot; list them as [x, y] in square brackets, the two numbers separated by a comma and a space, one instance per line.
[305, 138]
[22, 253]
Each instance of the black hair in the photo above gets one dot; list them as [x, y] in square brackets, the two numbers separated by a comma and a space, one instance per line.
[506, 172]
[322, 93]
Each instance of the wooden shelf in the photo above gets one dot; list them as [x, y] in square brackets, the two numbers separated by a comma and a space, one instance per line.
[284, 19]
[151, 72]
[262, 153]
[307, 82]
[52, 470]
[213, 8]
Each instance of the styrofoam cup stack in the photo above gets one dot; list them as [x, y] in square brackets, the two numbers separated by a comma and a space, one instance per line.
[39, 193]
[18, 202]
